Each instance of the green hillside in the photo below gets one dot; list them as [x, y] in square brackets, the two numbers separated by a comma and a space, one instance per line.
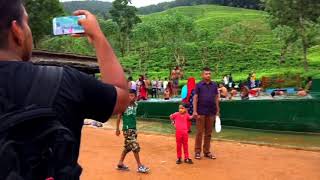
[261, 56]
[96, 7]
[236, 40]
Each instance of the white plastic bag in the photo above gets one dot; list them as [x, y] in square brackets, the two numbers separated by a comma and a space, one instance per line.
[218, 124]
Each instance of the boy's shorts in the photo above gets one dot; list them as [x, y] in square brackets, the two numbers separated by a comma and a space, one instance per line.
[130, 140]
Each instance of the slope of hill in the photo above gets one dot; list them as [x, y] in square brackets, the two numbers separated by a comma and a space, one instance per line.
[261, 56]
[249, 4]
[96, 7]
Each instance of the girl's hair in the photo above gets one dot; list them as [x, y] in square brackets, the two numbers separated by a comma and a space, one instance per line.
[184, 105]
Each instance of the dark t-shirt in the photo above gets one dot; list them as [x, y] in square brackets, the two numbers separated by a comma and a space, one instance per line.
[79, 96]
[207, 93]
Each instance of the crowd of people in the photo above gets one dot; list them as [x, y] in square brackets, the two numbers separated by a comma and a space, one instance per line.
[157, 88]
[228, 88]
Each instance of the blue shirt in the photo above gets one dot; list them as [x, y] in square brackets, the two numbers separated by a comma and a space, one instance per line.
[207, 93]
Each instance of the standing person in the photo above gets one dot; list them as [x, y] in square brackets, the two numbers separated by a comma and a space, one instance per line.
[159, 87]
[191, 85]
[147, 83]
[132, 84]
[143, 94]
[138, 84]
[181, 120]
[165, 83]
[129, 82]
[76, 96]
[176, 74]
[225, 80]
[249, 80]
[205, 109]
[230, 81]
[130, 134]
[154, 90]
[170, 88]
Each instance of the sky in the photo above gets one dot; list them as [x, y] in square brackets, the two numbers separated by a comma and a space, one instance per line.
[139, 3]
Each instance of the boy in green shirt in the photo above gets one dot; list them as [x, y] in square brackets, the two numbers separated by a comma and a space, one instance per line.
[130, 134]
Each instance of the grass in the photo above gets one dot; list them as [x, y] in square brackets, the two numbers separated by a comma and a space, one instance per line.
[250, 136]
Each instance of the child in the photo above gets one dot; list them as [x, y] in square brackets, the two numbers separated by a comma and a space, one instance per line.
[180, 120]
[130, 134]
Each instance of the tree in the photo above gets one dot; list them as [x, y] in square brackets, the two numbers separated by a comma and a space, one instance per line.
[145, 36]
[41, 13]
[125, 17]
[111, 30]
[286, 37]
[203, 42]
[174, 31]
[301, 15]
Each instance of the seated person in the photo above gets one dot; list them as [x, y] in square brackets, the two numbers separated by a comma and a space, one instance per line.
[166, 94]
[304, 92]
[301, 92]
[277, 93]
[233, 93]
[255, 92]
[245, 93]
[223, 91]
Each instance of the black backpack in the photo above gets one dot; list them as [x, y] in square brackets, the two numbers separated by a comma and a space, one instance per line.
[34, 145]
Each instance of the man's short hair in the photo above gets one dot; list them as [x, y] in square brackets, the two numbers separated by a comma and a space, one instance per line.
[132, 91]
[10, 10]
[206, 69]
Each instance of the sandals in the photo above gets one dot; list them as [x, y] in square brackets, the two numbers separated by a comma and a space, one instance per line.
[197, 156]
[210, 155]
[178, 161]
[122, 167]
[188, 161]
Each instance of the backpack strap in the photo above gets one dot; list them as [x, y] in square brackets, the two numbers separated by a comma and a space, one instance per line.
[45, 86]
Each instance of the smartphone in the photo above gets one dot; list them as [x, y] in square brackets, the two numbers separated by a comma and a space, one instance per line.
[67, 25]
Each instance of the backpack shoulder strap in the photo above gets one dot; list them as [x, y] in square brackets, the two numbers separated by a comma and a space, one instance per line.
[45, 86]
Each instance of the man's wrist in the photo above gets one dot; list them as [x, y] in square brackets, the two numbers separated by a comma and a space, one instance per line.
[98, 38]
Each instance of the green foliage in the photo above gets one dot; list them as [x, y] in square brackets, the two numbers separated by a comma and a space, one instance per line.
[96, 7]
[125, 17]
[41, 13]
[286, 37]
[301, 15]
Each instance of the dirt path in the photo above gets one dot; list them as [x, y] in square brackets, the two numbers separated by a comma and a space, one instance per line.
[101, 149]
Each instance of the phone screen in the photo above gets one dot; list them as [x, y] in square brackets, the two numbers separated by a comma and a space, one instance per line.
[67, 25]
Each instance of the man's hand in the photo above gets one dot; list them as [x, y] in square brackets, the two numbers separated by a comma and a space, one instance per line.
[195, 115]
[118, 132]
[90, 25]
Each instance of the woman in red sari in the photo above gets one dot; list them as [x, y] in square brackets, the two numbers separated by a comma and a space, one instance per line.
[191, 85]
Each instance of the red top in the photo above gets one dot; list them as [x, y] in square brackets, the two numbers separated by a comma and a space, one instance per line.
[181, 121]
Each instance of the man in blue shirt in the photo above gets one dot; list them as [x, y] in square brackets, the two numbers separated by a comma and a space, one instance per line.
[206, 107]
